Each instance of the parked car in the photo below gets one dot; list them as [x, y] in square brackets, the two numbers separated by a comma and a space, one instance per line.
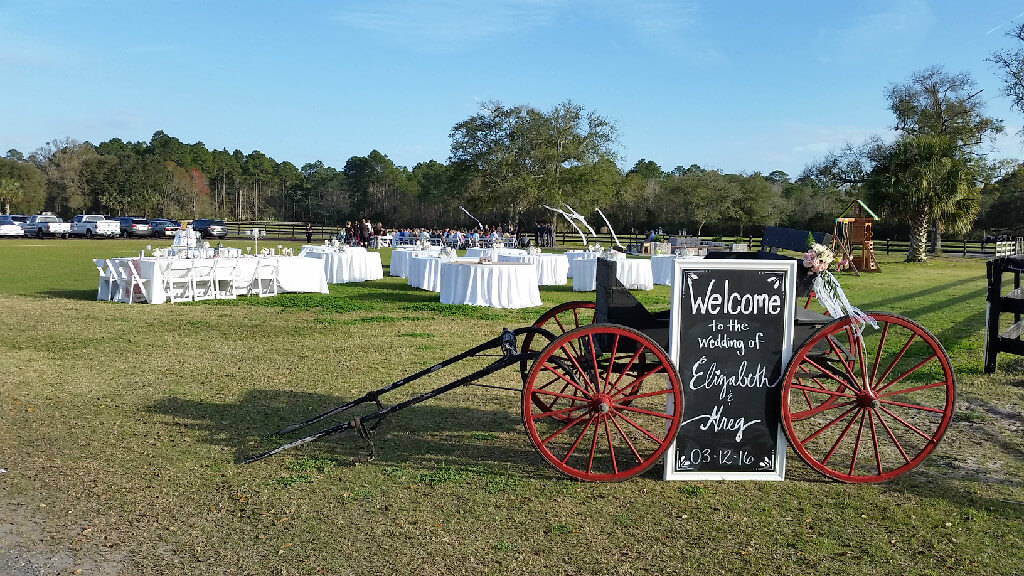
[134, 227]
[210, 228]
[46, 224]
[9, 227]
[90, 225]
[164, 226]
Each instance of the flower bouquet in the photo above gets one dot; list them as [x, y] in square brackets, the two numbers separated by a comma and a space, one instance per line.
[827, 290]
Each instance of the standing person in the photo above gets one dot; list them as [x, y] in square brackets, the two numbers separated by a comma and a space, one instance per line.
[309, 233]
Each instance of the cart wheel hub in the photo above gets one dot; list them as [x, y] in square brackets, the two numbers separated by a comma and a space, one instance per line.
[602, 404]
[867, 399]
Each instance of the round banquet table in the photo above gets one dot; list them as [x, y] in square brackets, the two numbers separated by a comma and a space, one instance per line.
[400, 259]
[552, 269]
[573, 255]
[633, 273]
[348, 265]
[425, 271]
[663, 267]
[497, 285]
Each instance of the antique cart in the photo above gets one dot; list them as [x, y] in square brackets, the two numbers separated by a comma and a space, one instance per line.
[602, 400]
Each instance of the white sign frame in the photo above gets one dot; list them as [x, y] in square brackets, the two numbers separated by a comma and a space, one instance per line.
[675, 348]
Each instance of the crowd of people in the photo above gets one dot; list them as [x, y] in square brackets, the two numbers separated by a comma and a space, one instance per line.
[365, 233]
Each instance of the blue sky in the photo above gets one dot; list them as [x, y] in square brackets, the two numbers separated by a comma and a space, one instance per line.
[736, 86]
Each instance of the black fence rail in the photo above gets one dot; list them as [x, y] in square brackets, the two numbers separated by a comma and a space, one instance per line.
[965, 248]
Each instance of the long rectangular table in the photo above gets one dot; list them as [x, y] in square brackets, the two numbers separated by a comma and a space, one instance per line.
[294, 274]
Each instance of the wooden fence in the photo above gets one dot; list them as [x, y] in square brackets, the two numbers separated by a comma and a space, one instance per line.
[966, 248]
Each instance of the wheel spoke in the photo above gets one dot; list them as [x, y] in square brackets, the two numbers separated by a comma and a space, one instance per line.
[856, 445]
[839, 440]
[626, 370]
[892, 437]
[576, 442]
[632, 448]
[841, 356]
[907, 424]
[568, 425]
[874, 440]
[637, 381]
[611, 362]
[942, 384]
[611, 447]
[593, 447]
[642, 430]
[561, 376]
[841, 381]
[822, 408]
[878, 352]
[826, 426]
[909, 372]
[642, 411]
[913, 406]
[625, 399]
[899, 356]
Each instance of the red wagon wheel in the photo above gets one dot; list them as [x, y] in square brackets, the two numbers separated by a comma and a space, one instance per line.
[592, 421]
[867, 409]
[558, 321]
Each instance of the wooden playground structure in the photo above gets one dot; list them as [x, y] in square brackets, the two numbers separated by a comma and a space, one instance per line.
[851, 239]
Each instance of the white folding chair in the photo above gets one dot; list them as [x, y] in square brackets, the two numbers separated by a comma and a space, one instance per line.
[106, 279]
[224, 286]
[118, 281]
[178, 280]
[264, 278]
[203, 283]
[135, 284]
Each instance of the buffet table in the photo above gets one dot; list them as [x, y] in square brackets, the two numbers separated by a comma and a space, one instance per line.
[633, 273]
[497, 285]
[552, 269]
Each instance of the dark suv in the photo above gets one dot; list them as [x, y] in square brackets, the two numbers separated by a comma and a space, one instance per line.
[134, 227]
[210, 228]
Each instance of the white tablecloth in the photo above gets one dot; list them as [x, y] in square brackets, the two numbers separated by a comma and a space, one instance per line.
[400, 259]
[498, 285]
[203, 252]
[494, 253]
[348, 265]
[294, 274]
[633, 273]
[662, 267]
[572, 255]
[552, 269]
[425, 271]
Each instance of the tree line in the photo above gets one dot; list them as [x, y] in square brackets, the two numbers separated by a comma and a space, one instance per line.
[509, 164]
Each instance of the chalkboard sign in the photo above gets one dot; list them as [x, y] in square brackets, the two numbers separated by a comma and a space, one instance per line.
[731, 336]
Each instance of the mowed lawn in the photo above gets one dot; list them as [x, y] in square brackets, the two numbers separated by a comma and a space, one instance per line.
[121, 429]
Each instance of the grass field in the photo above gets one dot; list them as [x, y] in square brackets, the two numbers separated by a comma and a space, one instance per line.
[121, 428]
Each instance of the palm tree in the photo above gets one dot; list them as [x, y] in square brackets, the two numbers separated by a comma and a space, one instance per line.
[920, 179]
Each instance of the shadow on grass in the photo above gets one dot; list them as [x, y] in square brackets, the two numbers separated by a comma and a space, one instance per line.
[88, 295]
[459, 436]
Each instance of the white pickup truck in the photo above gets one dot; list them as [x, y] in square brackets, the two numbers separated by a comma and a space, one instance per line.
[46, 224]
[95, 225]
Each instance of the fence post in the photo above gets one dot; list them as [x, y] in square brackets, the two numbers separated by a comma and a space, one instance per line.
[886, 246]
[965, 247]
